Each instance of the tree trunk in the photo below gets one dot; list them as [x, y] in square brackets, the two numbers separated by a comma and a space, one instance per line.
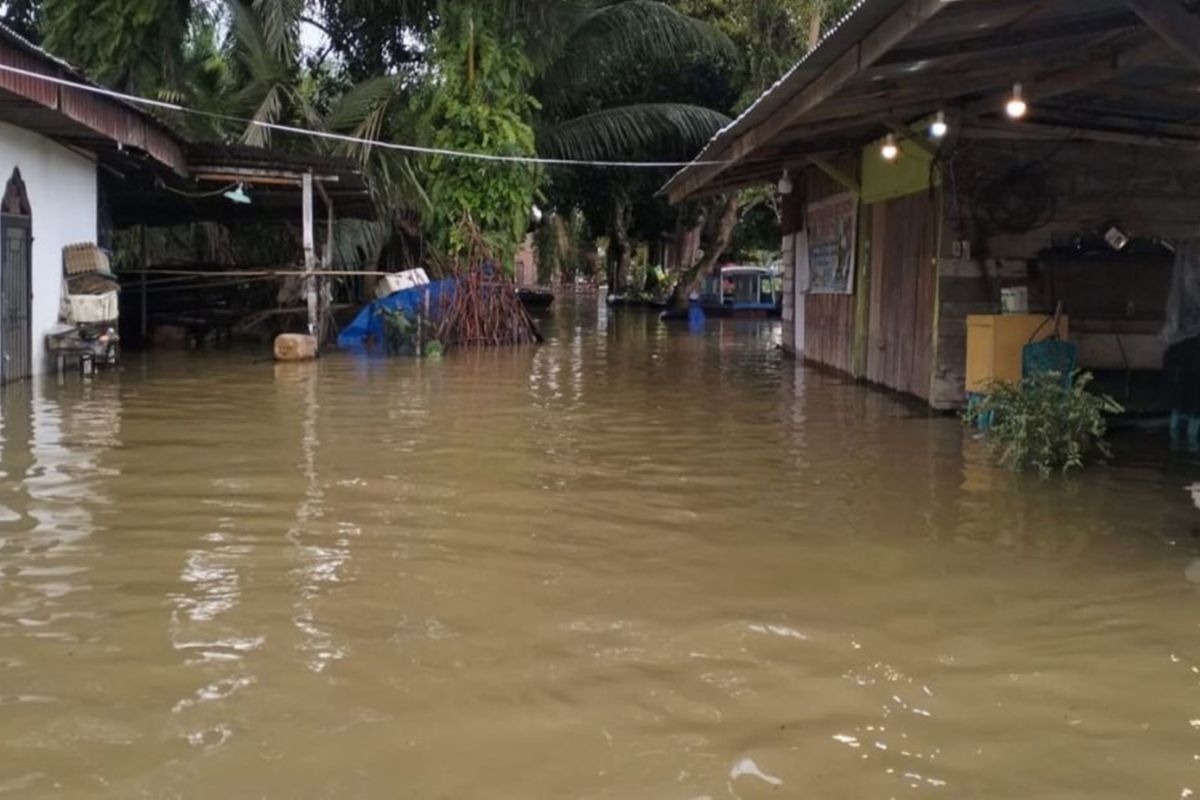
[815, 23]
[689, 278]
[619, 255]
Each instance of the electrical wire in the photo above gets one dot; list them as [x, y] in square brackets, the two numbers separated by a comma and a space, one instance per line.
[347, 139]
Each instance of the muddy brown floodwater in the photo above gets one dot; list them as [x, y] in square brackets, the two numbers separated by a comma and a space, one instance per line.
[631, 563]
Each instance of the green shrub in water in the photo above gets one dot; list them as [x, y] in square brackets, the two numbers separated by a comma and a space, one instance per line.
[433, 350]
[398, 330]
[1044, 423]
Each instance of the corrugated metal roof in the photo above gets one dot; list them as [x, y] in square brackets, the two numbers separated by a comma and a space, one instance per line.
[69, 70]
[857, 22]
[1093, 69]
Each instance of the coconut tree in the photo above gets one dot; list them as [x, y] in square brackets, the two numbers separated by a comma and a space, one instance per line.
[633, 81]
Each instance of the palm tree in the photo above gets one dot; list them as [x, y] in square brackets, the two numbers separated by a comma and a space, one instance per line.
[612, 93]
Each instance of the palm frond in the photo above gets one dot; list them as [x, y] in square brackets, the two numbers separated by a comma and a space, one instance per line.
[612, 43]
[280, 20]
[268, 110]
[647, 130]
[362, 100]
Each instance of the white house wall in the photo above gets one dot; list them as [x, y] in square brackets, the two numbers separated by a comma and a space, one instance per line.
[62, 189]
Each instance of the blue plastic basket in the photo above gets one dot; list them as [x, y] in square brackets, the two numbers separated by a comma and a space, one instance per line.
[1039, 358]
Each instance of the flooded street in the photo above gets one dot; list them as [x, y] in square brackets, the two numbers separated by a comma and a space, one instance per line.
[631, 563]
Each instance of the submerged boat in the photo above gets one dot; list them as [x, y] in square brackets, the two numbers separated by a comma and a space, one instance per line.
[535, 297]
[739, 291]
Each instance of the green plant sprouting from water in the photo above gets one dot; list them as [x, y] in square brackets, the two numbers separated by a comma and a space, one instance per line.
[408, 335]
[1045, 423]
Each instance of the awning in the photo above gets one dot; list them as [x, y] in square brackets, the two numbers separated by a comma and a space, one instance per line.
[1121, 71]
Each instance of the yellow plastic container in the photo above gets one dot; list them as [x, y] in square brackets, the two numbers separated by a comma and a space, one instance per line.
[995, 342]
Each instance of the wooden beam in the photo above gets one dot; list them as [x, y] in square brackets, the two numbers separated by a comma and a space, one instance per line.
[1106, 120]
[836, 174]
[1003, 39]
[251, 175]
[1178, 27]
[1033, 131]
[1073, 78]
[910, 16]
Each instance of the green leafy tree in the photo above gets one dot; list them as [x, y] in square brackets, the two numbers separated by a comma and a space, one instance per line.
[636, 80]
[24, 17]
[478, 101]
[134, 45]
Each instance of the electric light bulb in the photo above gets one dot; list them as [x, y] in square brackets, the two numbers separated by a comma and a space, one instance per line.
[785, 183]
[939, 128]
[1016, 106]
[889, 151]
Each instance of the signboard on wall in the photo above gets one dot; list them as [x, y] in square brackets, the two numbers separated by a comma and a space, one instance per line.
[832, 228]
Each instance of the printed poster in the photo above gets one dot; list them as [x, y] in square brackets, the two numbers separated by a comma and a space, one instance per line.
[832, 227]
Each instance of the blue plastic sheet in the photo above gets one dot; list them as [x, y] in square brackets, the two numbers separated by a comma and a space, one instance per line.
[365, 333]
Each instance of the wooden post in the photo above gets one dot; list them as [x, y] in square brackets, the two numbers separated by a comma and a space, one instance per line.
[327, 254]
[310, 256]
[145, 266]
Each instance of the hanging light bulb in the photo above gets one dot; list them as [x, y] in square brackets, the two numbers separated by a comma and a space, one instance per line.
[238, 195]
[785, 183]
[1016, 106]
[938, 128]
[535, 214]
[890, 149]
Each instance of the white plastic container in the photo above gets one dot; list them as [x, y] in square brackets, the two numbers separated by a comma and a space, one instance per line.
[399, 281]
[92, 307]
[1014, 300]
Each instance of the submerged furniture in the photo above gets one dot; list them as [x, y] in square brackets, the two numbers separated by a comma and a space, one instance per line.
[1008, 347]
[87, 330]
[996, 345]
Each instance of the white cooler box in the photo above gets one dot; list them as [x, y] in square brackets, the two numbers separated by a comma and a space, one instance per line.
[399, 281]
[84, 308]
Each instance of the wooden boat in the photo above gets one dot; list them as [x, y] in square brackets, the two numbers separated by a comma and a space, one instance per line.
[535, 297]
[739, 291]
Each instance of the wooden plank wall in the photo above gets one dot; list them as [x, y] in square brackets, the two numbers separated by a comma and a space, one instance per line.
[900, 344]
[792, 221]
[1146, 191]
[901, 308]
[829, 318]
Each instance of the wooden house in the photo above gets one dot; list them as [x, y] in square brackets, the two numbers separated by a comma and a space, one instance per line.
[78, 160]
[933, 153]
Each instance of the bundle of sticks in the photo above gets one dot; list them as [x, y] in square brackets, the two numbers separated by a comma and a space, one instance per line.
[484, 310]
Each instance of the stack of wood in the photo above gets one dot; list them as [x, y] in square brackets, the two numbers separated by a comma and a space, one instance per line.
[484, 310]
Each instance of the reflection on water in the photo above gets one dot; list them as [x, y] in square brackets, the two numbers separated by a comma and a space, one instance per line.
[632, 563]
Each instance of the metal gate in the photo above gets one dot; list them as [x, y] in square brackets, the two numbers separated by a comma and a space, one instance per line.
[16, 296]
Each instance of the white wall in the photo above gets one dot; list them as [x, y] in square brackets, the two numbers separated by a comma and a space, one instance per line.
[62, 187]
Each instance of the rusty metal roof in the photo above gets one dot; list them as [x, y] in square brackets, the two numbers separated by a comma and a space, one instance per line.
[152, 174]
[75, 116]
[1126, 71]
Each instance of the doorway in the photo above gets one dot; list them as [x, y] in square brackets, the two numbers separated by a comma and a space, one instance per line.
[16, 285]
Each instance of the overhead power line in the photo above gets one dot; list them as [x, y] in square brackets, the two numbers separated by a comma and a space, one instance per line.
[346, 138]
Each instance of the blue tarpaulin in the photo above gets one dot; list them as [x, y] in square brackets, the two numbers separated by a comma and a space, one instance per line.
[366, 331]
